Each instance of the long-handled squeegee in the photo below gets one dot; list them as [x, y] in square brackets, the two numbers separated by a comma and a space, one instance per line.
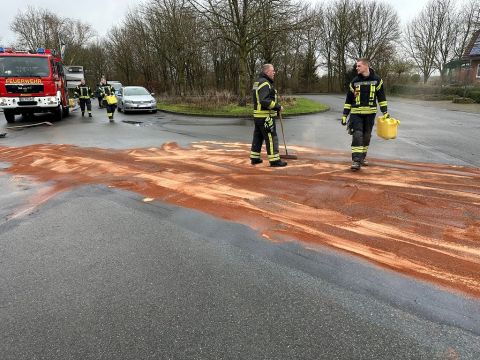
[286, 155]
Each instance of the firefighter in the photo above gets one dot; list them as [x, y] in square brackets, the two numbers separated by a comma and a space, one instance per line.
[100, 85]
[363, 93]
[265, 108]
[84, 93]
[107, 92]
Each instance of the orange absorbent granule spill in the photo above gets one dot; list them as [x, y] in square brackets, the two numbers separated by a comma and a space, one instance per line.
[419, 219]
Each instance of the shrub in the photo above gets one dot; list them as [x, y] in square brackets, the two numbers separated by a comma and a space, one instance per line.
[415, 78]
[462, 100]
[429, 92]
[475, 95]
[414, 89]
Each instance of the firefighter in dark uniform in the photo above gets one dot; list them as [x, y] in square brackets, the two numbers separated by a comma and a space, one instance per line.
[99, 92]
[363, 93]
[84, 93]
[108, 90]
[265, 108]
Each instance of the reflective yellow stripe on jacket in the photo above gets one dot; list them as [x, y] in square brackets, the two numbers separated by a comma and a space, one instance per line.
[364, 110]
[258, 112]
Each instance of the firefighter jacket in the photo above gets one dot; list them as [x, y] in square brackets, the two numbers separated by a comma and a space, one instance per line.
[106, 90]
[83, 92]
[363, 94]
[265, 98]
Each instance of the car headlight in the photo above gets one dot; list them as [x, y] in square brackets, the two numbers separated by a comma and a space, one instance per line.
[128, 102]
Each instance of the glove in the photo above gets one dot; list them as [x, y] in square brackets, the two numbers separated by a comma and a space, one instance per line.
[386, 115]
[268, 124]
[349, 128]
[344, 120]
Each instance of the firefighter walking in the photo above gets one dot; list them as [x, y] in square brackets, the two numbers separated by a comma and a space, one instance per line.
[107, 92]
[265, 108]
[98, 92]
[84, 93]
[363, 93]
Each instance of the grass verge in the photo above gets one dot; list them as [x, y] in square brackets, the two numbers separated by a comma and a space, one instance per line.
[294, 106]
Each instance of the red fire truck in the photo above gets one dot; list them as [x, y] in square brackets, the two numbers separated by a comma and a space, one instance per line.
[32, 82]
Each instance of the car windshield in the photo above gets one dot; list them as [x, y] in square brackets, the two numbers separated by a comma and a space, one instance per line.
[24, 66]
[136, 91]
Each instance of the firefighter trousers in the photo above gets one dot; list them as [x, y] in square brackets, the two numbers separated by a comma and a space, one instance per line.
[86, 102]
[265, 130]
[361, 125]
[110, 110]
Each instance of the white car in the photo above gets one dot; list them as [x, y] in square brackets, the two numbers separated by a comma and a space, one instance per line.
[117, 85]
[136, 98]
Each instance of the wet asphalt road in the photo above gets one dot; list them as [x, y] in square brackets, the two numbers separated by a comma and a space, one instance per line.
[427, 133]
[98, 274]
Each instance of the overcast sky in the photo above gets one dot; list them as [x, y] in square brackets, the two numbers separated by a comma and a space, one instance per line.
[103, 14]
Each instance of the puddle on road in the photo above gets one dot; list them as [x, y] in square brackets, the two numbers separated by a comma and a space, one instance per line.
[419, 219]
[212, 121]
[134, 122]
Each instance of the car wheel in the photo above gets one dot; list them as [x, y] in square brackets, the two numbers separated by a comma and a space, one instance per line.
[119, 107]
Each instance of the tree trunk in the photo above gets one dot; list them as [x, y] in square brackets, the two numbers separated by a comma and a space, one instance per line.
[242, 73]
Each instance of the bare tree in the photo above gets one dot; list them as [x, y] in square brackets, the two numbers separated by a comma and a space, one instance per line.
[120, 47]
[468, 23]
[96, 61]
[176, 38]
[377, 26]
[422, 40]
[343, 27]
[448, 27]
[241, 23]
[42, 28]
[325, 23]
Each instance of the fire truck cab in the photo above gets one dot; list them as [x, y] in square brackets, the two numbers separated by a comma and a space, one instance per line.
[32, 82]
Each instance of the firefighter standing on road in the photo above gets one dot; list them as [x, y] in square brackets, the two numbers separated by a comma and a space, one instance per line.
[107, 92]
[99, 92]
[84, 93]
[265, 108]
[363, 93]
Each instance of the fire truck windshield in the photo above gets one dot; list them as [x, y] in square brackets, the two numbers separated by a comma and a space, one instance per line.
[13, 66]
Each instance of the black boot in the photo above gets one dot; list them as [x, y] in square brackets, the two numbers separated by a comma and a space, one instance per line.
[355, 166]
[256, 161]
[83, 113]
[89, 114]
[278, 163]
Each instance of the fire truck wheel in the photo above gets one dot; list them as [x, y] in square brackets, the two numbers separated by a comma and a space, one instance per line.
[9, 116]
[58, 113]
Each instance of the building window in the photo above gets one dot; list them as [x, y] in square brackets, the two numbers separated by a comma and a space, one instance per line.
[478, 71]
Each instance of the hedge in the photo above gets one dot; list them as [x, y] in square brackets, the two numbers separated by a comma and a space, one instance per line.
[436, 92]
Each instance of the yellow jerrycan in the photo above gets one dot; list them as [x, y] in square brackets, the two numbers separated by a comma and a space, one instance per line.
[387, 128]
